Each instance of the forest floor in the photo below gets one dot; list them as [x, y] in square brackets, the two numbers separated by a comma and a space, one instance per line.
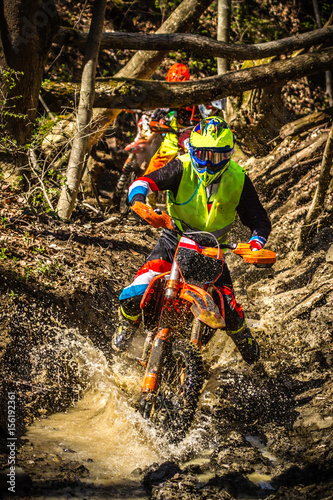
[273, 419]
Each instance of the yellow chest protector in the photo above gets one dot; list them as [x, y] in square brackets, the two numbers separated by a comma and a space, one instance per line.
[190, 204]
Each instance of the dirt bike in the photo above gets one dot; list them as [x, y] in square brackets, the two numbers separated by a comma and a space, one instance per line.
[140, 151]
[180, 316]
[147, 141]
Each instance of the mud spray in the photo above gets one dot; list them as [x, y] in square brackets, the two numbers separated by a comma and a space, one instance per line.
[103, 430]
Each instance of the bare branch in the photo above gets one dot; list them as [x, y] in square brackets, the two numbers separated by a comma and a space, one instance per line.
[198, 44]
[317, 204]
[34, 168]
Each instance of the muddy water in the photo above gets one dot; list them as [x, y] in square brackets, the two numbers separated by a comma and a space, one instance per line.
[102, 430]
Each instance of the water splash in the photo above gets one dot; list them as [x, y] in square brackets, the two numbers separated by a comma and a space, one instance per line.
[102, 428]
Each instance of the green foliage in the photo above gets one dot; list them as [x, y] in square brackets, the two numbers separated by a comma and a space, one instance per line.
[64, 74]
[27, 272]
[256, 22]
[38, 250]
[3, 255]
[8, 80]
[43, 268]
[167, 7]
[3, 221]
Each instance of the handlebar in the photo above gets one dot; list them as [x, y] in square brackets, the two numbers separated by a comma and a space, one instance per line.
[263, 257]
[154, 219]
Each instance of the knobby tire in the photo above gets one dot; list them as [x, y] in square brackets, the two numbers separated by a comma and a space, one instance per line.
[180, 384]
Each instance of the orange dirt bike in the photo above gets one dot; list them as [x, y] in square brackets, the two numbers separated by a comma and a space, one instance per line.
[141, 151]
[180, 316]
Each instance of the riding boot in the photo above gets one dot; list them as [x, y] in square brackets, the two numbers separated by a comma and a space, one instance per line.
[127, 328]
[246, 344]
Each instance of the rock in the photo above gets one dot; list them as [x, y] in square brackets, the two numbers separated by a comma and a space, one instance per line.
[161, 473]
[329, 255]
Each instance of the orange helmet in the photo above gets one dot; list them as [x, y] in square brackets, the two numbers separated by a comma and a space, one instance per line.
[178, 73]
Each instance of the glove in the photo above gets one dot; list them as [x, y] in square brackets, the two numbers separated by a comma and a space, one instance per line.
[257, 243]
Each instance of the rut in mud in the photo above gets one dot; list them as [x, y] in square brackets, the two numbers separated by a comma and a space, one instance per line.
[263, 431]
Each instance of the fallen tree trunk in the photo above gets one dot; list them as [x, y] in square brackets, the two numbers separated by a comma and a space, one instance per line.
[128, 93]
[198, 44]
[306, 122]
[317, 205]
[297, 158]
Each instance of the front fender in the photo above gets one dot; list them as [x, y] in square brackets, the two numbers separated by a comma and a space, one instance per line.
[203, 306]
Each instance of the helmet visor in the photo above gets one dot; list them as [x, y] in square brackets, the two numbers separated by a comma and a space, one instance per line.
[212, 157]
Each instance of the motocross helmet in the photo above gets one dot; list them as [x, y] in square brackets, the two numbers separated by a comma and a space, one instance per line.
[211, 146]
[178, 73]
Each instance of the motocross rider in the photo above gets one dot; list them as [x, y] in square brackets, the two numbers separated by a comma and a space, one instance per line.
[176, 119]
[206, 189]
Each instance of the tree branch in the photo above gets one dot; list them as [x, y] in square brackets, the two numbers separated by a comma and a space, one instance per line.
[198, 44]
[127, 93]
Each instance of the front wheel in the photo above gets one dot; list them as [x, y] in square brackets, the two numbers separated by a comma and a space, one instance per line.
[181, 380]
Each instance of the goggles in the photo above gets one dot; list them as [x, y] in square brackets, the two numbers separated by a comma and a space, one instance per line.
[212, 157]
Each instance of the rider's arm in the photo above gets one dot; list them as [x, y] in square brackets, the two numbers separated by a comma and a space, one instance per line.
[166, 178]
[251, 212]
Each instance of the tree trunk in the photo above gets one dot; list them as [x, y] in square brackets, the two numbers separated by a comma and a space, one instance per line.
[294, 160]
[306, 123]
[195, 43]
[27, 30]
[317, 205]
[223, 28]
[143, 63]
[75, 165]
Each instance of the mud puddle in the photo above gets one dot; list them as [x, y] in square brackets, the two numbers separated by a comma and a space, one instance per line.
[103, 430]
[104, 438]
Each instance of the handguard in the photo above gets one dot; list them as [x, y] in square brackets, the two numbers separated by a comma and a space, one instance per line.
[260, 258]
[159, 127]
[154, 219]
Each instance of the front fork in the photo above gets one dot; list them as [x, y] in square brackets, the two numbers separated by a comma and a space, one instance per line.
[154, 365]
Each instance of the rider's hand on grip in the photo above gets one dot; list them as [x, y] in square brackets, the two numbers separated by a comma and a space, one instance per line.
[147, 213]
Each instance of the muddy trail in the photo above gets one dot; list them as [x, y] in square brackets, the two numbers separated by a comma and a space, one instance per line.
[263, 431]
